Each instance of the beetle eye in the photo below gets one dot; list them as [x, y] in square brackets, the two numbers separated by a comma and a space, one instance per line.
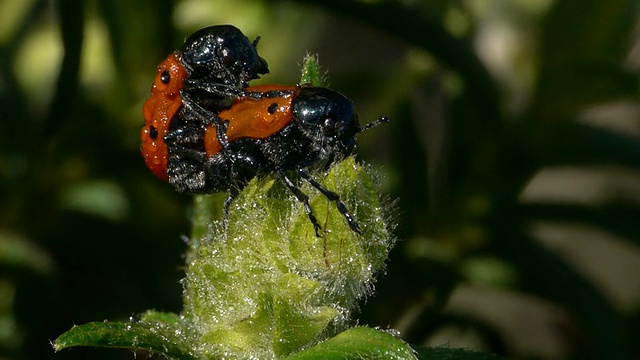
[329, 126]
[228, 57]
[153, 132]
[165, 77]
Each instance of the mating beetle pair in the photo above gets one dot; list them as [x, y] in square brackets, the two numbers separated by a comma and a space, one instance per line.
[207, 131]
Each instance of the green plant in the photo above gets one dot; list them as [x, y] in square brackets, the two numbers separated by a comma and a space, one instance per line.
[264, 285]
[267, 286]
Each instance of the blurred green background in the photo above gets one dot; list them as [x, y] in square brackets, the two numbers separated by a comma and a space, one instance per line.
[513, 151]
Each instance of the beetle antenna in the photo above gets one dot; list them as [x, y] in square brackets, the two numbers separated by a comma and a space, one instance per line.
[256, 41]
[382, 120]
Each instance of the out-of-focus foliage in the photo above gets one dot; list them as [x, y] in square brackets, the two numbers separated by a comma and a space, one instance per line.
[514, 150]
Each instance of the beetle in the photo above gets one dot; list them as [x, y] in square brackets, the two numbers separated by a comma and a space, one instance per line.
[207, 131]
[273, 129]
[208, 71]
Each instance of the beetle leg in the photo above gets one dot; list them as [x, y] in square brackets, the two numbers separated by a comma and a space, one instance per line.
[200, 113]
[233, 193]
[332, 196]
[212, 88]
[221, 133]
[303, 198]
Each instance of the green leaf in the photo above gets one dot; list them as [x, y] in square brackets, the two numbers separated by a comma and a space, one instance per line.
[359, 343]
[159, 317]
[167, 338]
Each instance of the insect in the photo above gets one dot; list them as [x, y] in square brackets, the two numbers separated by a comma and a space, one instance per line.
[220, 61]
[273, 129]
[210, 69]
[206, 131]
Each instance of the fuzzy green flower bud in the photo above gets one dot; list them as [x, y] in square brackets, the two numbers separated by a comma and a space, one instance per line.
[269, 286]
